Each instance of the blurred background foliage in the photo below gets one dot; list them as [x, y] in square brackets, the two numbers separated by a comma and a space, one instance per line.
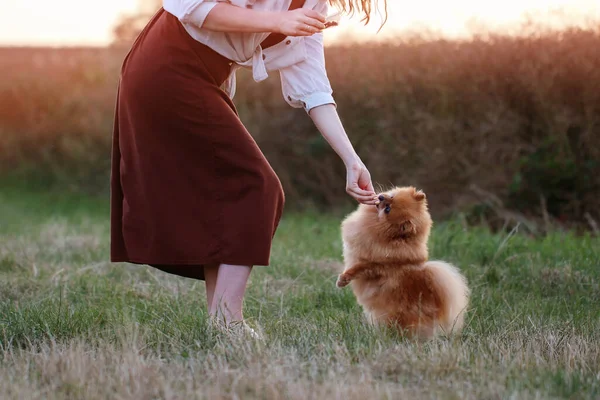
[499, 130]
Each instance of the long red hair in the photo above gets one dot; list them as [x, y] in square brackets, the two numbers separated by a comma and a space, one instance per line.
[363, 7]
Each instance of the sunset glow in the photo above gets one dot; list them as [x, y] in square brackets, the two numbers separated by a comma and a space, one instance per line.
[76, 22]
[461, 18]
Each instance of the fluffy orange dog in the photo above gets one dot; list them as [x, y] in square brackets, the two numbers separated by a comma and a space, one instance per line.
[386, 260]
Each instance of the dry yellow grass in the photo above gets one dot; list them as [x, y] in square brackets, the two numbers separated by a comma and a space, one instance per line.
[73, 326]
[241, 370]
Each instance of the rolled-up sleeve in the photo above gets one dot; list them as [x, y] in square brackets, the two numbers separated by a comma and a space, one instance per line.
[189, 11]
[306, 84]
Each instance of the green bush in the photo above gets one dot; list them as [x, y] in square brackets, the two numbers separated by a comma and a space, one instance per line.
[513, 119]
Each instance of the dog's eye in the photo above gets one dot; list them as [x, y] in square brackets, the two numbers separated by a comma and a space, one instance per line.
[387, 209]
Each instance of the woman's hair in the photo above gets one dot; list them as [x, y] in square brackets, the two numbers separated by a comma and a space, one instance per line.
[363, 7]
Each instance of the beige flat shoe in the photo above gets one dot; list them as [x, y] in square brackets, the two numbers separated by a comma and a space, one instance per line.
[235, 328]
[243, 329]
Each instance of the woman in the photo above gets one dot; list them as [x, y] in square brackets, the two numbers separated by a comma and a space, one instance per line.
[191, 192]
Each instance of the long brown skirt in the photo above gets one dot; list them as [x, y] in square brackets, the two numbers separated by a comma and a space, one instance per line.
[189, 185]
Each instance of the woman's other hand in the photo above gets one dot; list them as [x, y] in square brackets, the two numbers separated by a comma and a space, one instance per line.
[300, 22]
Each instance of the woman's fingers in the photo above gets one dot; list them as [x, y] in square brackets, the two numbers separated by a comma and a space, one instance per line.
[314, 15]
[360, 192]
[306, 30]
[365, 182]
[360, 186]
[362, 196]
[309, 27]
[368, 200]
[313, 23]
[304, 22]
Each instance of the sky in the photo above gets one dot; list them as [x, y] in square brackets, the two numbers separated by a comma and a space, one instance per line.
[85, 22]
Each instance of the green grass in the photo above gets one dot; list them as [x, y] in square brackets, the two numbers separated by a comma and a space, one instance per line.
[73, 325]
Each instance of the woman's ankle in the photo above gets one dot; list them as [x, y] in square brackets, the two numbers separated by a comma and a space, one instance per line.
[228, 297]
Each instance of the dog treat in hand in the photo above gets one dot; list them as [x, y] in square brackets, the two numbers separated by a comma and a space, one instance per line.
[333, 20]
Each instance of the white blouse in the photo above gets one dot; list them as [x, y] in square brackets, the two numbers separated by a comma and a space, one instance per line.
[299, 60]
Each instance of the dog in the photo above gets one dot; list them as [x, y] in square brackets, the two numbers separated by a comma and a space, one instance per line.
[386, 262]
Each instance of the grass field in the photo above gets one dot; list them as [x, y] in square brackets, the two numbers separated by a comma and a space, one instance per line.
[73, 326]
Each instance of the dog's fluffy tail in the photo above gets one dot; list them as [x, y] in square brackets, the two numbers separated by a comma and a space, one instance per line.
[454, 293]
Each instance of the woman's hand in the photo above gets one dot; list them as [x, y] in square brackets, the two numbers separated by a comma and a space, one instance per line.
[300, 22]
[359, 185]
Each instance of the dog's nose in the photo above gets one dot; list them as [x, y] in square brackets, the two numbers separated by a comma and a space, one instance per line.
[381, 198]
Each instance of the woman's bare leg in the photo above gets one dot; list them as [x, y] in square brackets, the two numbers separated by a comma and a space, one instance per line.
[210, 278]
[229, 291]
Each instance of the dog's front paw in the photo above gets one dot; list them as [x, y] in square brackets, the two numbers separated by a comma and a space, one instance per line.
[343, 280]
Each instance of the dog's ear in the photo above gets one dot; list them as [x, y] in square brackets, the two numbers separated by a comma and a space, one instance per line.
[418, 195]
[408, 227]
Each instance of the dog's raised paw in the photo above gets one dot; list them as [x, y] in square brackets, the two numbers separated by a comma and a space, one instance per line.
[342, 281]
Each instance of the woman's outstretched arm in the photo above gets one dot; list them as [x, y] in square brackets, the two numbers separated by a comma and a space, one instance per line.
[358, 178]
